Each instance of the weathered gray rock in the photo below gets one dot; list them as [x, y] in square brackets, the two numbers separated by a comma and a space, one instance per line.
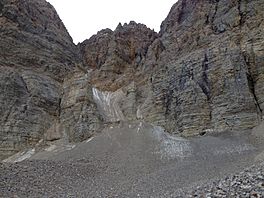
[29, 105]
[34, 37]
[209, 76]
[116, 56]
[247, 183]
[79, 116]
[35, 56]
[203, 73]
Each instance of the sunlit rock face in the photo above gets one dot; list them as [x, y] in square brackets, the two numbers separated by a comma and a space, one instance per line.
[79, 118]
[202, 73]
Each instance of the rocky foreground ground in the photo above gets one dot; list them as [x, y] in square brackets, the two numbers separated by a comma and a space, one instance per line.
[248, 183]
[138, 160]
[53, 177]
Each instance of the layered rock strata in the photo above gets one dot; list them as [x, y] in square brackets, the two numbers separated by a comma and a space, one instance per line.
[210, 75]
[36, 55]
[79, 116]
[115, 57]
[202, 73]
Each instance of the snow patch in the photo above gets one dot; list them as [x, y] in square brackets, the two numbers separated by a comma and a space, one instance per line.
[51, 148]
[21, 156]
[89, 140]
[107, 103]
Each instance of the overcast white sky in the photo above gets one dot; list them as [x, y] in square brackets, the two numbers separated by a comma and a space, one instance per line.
[83, 18]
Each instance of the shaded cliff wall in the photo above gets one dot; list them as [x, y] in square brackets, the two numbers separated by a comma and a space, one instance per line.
[36, 55]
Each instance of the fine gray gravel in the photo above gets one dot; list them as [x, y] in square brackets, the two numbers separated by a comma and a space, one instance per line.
[60, 179]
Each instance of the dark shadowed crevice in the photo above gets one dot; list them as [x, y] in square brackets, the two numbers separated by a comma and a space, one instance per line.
[159, 49]
[25, 84]
[251, 83]
[182, 12]
[204, 81]
[241, 14]
[207, 20]
[203, 133]
[204, 84]
[168, 100]
[59, 108]
[1, 8]
[215, 10]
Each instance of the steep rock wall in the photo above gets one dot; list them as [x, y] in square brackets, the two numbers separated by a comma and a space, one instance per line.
[209, 76]
[79, 117]
[116, 57]
[202, 73]
[36, 55]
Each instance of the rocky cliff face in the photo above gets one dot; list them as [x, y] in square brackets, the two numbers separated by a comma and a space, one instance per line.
[203, 72]
[210, 75]
[36, 56]
[115, 57]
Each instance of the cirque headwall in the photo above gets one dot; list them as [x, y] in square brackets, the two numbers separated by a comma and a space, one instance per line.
[203, 72]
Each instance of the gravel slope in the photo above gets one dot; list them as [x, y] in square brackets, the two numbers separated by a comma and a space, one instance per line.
[138, 160]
